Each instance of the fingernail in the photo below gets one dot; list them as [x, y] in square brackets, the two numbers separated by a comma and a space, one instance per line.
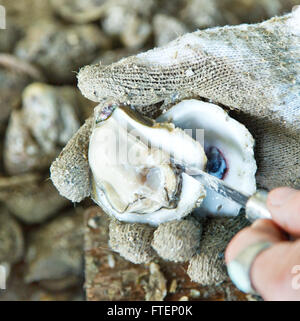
[281, 195]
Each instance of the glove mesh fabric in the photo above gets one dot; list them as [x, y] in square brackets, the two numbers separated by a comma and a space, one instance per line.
[253, 69]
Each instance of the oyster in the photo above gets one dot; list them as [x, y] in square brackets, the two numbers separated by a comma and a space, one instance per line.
[15, 75]
[78, 11]
[137, 166]
[167, 28]
[35, 133]
[228, 146]
[74, 45]
[132, 29]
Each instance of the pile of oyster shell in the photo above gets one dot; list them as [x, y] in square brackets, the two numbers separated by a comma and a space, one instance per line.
[44, 45]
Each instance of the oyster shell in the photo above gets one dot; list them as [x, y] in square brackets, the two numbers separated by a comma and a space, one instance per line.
[228, 145]
[74, 45]
[127, 25]
[137, 167]
[54, 256]
[15, 75]
[148, 184]
[35, 133]
[79, 11]
[167, 28]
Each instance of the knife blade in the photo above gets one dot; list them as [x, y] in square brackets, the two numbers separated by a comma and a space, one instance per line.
[255, 204]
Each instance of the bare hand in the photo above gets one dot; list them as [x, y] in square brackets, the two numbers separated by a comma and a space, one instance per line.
[275, 273]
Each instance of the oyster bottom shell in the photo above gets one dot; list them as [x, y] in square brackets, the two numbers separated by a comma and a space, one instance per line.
[229, 137]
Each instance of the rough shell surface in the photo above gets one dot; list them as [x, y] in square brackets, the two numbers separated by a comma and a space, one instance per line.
[33, 202]
[37, 132]
[167, 28]
[15, 75]
[156, 288]
[11, 239]
[55, 250]
[74, 45]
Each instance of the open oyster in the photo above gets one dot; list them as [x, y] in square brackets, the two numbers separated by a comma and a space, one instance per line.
[137, 166]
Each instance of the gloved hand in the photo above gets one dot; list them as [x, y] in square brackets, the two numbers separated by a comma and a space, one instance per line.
[252, 69]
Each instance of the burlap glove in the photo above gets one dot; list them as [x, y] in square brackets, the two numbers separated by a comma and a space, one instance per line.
[254, 70]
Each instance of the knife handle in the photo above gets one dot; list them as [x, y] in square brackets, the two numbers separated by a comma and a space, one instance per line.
[256, 206]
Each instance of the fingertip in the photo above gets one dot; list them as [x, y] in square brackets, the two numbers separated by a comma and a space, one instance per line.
[262, 224]
[280, 195]
[284, 205]
[260, 230]
[268, 227]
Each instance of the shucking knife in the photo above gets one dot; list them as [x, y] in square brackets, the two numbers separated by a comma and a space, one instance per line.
[255, 204]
